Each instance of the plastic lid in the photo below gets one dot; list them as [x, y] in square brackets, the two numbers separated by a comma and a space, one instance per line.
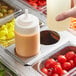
[26, 23]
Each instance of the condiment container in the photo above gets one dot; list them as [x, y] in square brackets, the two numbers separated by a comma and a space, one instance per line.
[16, 10]
[27, 35]
[7, 21]
[7, 33]
[61, 50]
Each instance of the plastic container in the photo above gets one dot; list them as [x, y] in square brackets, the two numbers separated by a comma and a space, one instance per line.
[54, 8]
[9, 17]
[6, 69]
[27, 35]
[54, 54]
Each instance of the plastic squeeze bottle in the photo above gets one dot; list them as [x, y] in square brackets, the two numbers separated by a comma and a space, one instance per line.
[27, 35]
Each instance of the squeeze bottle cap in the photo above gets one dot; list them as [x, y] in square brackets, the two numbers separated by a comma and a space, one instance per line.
[26, 23]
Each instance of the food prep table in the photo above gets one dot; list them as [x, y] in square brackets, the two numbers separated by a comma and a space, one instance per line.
[28, 67]
[29, 70]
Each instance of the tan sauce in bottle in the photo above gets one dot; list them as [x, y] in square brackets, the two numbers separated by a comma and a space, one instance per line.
[27, 35]
[26, 43]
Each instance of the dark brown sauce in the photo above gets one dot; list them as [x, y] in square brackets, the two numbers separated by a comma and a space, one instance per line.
[48, 37]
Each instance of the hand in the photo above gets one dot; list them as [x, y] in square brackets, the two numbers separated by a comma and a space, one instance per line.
[70, 13]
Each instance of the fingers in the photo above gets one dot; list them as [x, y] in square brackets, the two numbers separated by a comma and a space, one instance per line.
[61, 16]
[66, 14]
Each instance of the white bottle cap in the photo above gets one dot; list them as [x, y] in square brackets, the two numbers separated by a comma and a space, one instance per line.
[26, 23]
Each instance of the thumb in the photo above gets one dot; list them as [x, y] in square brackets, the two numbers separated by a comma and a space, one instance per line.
[70, 13]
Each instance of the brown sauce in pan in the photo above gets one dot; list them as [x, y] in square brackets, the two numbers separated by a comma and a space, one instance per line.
[48, 37]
